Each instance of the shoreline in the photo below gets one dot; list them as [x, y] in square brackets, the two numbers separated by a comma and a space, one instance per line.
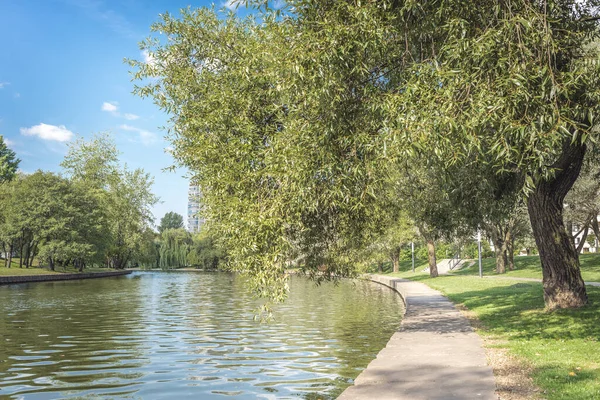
[15, 279]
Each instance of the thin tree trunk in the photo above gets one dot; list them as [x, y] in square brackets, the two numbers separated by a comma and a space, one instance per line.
[26, 254]
[5, 254]
[584, 235]
[596, 229]
[51, 262]
[395, 257]
[562, 281]
[499, 249]
[380, 267]
[510, 251]
[10, 251]
[33, 251]
[21, 249]
[433, 271]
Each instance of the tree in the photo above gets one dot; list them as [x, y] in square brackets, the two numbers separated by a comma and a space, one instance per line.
[582, 204]
[293, 124]
[399, 232]
[171, 220]
[205, 252]
[8, 162]
[46, 215]
[174, 248]
[124, 195]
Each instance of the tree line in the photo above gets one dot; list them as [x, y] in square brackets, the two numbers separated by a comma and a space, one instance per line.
[96, 212]
[321, 128]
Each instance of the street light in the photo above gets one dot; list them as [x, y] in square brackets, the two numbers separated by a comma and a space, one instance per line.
[479, 252]
[412, 249]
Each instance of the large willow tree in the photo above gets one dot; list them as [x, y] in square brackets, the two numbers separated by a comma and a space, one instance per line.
[294, 123]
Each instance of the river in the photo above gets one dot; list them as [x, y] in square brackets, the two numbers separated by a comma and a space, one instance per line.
[156, 335]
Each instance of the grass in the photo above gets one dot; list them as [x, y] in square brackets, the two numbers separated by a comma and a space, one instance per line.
[561, 346]
[529, 267]
[14, 270]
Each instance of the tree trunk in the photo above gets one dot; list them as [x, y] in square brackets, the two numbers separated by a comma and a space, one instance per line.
[583, 238]
[433, 271]
[499, 249]
[562, 281]
[5, 254]
[510, 250]
[596, 230]
[380, 267]
[51, 262]
[500, 256]
[21, 249]
[25, 255]
[10, 251]
[395, 257]
[33, 250]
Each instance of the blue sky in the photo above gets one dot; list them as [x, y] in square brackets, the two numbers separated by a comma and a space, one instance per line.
[62, 74]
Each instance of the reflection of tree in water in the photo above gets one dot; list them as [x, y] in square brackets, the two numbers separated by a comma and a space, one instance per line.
[52, 331]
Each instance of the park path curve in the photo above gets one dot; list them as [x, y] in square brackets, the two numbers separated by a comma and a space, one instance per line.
[435, 354]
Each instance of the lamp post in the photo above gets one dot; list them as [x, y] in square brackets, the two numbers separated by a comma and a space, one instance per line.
[412, 249]
[479, 252]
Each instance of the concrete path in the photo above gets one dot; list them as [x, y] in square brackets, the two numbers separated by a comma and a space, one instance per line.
[435, 355]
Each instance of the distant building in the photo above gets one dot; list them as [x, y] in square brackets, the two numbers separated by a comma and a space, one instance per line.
[194, 221]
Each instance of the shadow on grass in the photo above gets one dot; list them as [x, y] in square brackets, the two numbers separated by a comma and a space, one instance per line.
[517, 310]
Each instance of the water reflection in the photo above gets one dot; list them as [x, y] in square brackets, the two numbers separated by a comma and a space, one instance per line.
[178, 335]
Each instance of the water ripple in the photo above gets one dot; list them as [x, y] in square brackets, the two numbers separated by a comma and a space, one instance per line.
[187, 335]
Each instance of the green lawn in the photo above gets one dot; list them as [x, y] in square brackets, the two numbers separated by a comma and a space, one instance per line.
[15, 270]
[562, 346]
[529, 267]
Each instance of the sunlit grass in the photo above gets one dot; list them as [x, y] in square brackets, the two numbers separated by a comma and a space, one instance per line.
[530, 267]
[36, 270]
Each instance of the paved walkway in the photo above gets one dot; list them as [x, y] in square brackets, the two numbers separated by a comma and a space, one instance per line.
[435, 355]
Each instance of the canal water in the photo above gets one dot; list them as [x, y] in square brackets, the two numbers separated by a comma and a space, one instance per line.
[155, 335]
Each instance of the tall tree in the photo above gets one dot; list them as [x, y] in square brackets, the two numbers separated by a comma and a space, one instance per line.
[292, 124]
[171, 220]
[8, 162]
[124, 195]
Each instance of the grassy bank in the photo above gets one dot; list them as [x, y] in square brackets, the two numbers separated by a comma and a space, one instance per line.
[561, 346]
[529, 267]
[36, 270]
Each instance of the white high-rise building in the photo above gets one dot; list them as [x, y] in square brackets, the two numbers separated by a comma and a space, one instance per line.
[194, 221]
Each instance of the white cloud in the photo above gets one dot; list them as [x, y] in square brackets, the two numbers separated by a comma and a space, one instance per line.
[146, 137]
[3, 84]
[131, 117]
[49, 132]
[148, 57]
[110, 107]
[9, 142]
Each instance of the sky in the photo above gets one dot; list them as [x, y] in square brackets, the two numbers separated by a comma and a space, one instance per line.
[62, 74]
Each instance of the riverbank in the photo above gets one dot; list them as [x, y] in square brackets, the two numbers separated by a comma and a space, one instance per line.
[534, 353]
[56, 276]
